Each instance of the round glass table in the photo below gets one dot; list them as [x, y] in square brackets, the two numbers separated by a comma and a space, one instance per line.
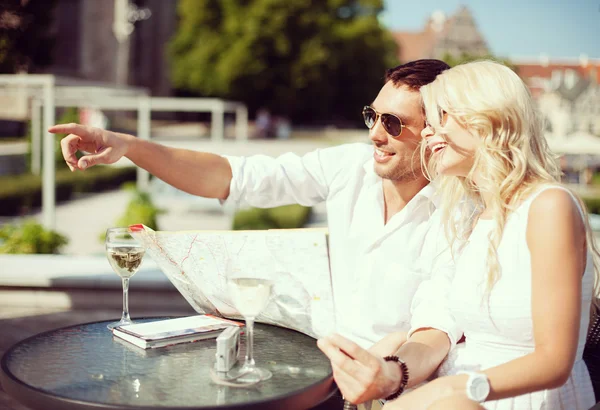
[85, 367]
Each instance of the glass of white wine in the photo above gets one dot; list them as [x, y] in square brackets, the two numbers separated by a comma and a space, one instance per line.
[250, 284]
[125, 257]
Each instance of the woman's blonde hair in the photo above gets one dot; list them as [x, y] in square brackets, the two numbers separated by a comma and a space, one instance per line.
[492, 102]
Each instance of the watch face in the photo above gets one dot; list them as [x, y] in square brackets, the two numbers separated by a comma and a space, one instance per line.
[480, 387]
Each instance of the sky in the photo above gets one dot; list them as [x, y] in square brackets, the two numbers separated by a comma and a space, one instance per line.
[514, 28]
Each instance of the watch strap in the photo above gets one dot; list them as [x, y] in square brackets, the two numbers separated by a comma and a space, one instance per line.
[473, 383]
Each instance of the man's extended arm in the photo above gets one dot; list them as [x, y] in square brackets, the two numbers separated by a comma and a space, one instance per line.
[198, 173]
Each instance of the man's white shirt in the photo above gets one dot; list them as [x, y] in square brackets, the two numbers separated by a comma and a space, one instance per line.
[382, 274]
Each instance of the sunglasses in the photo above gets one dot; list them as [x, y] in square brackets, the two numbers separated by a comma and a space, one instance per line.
[391, 123]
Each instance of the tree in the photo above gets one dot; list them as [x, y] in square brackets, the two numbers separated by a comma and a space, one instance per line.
[26, 39]
[308, 59]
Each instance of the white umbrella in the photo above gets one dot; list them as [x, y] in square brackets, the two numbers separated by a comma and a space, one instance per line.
[578, 143]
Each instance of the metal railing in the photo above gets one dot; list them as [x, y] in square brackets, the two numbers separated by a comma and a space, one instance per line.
[45, 95]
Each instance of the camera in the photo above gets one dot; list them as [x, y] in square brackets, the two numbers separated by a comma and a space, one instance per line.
[228, 349]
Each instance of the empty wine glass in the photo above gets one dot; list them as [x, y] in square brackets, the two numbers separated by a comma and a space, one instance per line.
[250, 283]
[125, 257]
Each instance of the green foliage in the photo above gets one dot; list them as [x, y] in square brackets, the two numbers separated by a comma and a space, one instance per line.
[466, 58]
[26, 38]
[20, 193]
[283, 217]
[30, 237]
[307, 59]
[71, 114]
[592, 204]
[140, 210]
[595, 179]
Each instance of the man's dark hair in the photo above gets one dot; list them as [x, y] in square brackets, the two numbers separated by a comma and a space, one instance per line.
[415, 74]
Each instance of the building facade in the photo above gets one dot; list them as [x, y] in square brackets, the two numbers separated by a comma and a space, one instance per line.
[442, 35]
[86, 46]
[567, 92]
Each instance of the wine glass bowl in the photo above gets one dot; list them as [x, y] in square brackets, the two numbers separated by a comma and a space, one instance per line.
[125, 256]
[249, 295]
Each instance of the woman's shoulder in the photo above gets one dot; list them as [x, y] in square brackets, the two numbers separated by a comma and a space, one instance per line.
[545, 204]
[552, 199]
[555, 207]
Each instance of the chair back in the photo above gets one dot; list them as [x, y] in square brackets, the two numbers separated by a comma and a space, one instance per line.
[591, 353]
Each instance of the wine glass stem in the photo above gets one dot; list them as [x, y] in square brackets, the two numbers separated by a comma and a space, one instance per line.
[249, 343]
[125, 315]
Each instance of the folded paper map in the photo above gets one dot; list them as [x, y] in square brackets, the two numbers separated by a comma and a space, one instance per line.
[297, 261]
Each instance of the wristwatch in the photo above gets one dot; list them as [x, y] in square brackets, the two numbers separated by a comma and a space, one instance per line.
[478, 386]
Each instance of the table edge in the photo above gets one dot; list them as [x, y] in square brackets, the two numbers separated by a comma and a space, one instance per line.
[39, 399]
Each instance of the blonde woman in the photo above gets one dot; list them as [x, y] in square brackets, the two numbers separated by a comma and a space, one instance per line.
[525, 274]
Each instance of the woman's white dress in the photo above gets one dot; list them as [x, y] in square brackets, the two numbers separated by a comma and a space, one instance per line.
[503, 330]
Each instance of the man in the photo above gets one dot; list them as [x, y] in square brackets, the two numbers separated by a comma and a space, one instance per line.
[383, 241]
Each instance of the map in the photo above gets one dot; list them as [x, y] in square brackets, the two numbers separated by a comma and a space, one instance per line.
[295, 260]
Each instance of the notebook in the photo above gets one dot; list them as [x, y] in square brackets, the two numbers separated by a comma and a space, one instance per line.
[160, 333]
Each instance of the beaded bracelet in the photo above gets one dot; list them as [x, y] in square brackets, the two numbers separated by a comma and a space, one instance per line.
[403, 381]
